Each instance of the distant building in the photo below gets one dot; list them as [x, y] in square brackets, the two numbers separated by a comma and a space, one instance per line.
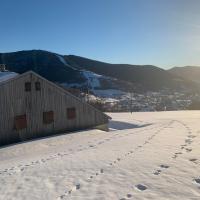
[32, 107]
[2, 67]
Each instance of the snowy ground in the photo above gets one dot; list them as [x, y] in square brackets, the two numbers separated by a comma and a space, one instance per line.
[144, 156]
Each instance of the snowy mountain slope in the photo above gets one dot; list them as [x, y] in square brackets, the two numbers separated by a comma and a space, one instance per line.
[62, 60]
[93, 81]
[101, 85]
[144, 156]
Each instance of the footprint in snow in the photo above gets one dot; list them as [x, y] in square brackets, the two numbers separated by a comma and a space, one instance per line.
[178, 153]
[188, 150]
[157, 172]
[174, 156]
[78, 186]
[141, 187]
[191, 136]
[188, 141]
[164, 166]
[183, 145]
[193, 160]
[70, 191]
[129, 195]
[100, 142]
[197, 180]
[61, 197]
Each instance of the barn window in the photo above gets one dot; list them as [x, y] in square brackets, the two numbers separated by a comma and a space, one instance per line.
[71, 113]
[28, 86]
[48, 117]
[20, 122]
[37, 86]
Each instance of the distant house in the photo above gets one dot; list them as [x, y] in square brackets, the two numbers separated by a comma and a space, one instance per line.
[31, 107]
[2, 67]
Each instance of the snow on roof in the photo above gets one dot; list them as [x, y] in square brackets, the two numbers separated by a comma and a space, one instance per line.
[4, 76]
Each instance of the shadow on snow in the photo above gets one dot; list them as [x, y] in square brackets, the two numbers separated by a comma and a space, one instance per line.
[118, 125]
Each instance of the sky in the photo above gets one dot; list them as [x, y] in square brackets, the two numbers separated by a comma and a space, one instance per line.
[165, 33]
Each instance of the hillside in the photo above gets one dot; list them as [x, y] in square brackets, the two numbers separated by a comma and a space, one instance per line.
[148, 156]
[55, 68]
[190, 73]
[45, 63]
[83, 73]
[147, 76]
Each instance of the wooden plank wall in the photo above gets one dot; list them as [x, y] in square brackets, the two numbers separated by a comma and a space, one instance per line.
[14, 100]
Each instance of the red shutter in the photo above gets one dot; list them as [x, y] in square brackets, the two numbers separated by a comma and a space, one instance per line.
[20, 122]
[48, 117]
[71, 113]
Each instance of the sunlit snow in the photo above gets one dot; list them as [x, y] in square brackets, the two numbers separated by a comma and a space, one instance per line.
[144, 156]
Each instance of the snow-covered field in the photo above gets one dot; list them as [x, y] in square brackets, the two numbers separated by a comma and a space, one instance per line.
[144, 156]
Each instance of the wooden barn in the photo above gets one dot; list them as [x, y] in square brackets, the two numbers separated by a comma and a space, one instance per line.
[32, 107]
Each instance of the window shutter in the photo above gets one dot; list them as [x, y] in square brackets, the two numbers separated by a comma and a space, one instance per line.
[71, 113]
[48, 117]
[28, 86]
[37, 86]
[20, 122]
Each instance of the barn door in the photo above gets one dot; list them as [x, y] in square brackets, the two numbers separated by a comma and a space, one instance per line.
[20, 125]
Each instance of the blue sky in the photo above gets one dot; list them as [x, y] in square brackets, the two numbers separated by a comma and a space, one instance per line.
[165, 33]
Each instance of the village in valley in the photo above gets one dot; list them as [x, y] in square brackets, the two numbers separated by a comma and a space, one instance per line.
[149, 101]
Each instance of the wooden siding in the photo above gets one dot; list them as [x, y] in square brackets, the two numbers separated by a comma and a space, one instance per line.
[15, 101]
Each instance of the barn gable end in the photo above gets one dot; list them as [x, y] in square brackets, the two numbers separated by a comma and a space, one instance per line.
[32, 107]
